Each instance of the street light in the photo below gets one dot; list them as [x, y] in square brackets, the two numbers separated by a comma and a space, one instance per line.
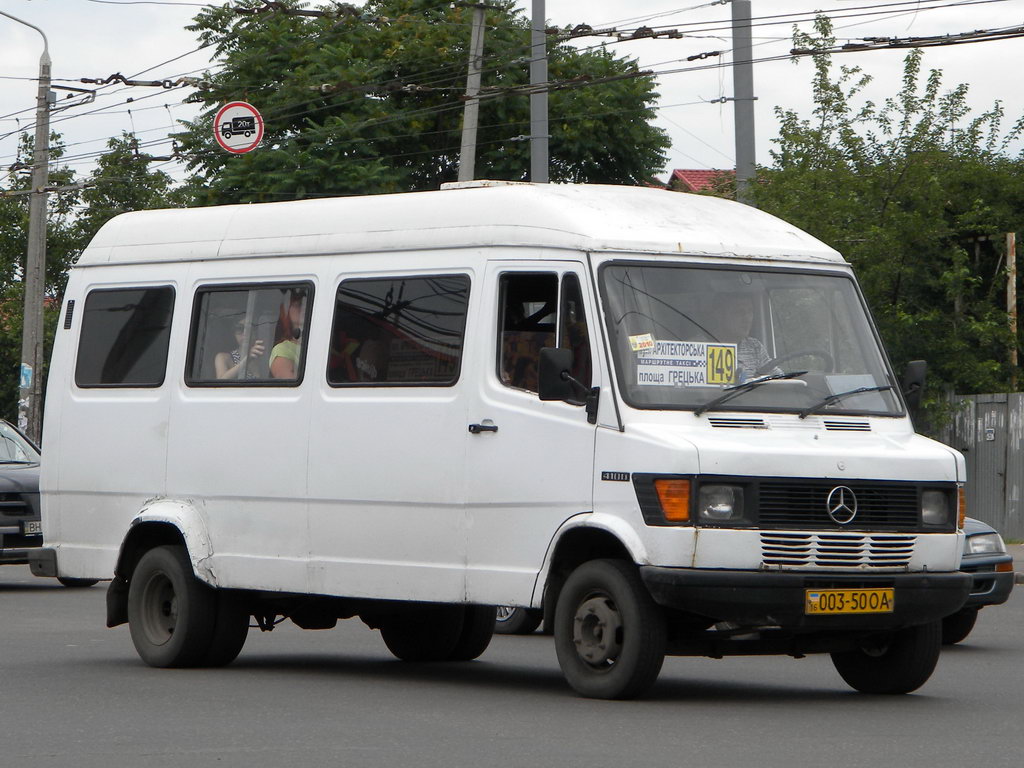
[31, 387]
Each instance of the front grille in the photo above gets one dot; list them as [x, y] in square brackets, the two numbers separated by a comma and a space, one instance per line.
[835, 425]
[728, 422]
[13, 505]
[843, 551]
[800, 504]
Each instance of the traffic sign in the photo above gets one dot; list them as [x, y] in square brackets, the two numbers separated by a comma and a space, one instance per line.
[238, 127]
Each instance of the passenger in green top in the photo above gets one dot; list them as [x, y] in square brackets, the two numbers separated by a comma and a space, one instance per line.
[284, 357]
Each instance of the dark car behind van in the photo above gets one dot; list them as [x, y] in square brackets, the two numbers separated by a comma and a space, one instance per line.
[20, 529]
[20, 526]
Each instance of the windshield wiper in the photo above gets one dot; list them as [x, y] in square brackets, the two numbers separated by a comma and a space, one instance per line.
[738, 389]
[838, 396]
[17, 461]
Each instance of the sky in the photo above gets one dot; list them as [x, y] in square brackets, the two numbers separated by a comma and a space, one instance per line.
[146, 39]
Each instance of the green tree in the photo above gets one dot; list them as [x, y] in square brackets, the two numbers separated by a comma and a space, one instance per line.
[123, 181]
[60, 251]
[370, 101]
[916, 193]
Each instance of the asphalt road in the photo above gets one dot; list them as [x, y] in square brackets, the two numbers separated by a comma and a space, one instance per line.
[75, 694]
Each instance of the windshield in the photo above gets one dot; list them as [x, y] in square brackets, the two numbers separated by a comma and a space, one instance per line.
[14, 447]
[682, 336]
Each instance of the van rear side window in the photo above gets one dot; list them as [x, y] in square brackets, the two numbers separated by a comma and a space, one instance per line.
[398, 331]
[125, 333]
[249, 335]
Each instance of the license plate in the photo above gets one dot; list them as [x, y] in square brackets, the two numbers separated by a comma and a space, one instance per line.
[29, 527]
[837, 601]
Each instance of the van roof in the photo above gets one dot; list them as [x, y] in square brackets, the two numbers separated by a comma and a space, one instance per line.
[579, 217]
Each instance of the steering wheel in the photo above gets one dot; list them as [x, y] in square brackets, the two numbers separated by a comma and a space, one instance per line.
[825, 357]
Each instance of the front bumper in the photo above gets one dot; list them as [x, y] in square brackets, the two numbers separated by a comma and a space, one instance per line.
[753, 598]
[43, 561]
[988, 586]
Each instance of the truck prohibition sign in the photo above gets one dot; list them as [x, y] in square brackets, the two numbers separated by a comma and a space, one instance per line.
[238, 127]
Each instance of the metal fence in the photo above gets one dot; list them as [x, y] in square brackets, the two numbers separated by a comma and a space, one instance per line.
[988, 430]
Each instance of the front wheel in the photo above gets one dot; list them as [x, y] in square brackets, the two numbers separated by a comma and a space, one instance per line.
[899, 662]
[171, 614]
[609, 634]
[958, 626]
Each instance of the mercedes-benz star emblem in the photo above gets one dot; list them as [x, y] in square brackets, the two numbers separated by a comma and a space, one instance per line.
[842, 505]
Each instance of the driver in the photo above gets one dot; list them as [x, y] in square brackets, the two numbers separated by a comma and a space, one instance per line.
[738, 322]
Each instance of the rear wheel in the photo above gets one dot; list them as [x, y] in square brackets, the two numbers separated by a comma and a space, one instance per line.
[425, 634]
[477, 630]
[609, 634]
[958, 626]
[517, 621]
[895, 663]
[76, 583]
[230, 629]
[171, 614]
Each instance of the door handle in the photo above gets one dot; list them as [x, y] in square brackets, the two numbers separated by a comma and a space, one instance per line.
[476, 429]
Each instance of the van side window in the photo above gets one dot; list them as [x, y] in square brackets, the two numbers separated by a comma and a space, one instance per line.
[572, 329]
[125, 334]
[528, 312]
[249, 335]
[398, 331]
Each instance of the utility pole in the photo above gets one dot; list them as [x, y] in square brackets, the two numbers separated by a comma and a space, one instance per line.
[31, 386]
[538, 99]
[743, 98]
[1011, 303]
[471, 113]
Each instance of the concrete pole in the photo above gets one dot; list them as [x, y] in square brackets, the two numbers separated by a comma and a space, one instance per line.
[538, 101]
[31, 388]
[743, 99]
[471, 113]
[1011, 303]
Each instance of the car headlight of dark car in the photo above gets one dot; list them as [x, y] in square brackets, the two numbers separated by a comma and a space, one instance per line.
[984, 544]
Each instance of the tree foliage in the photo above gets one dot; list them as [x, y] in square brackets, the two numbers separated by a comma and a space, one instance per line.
[122, 181]
[372, 101]
[917, 194]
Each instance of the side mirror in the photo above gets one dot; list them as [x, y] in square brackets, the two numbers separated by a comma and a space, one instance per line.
[913, 384]
[553, 364]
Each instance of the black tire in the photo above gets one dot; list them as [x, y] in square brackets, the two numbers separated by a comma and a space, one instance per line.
[477, 630]
[958, 626]
[517, 621]
[425, 634]
[609, 634]
[896, 663]
[171, 614]
[76, 583]
[231, 628]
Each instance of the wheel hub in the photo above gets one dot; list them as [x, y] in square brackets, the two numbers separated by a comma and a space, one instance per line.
[160, 609]
[597, 631]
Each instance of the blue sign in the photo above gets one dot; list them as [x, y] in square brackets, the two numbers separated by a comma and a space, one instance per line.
[26, 376]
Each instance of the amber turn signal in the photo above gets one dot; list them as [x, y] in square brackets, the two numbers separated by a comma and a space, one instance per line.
[961, 498]
[674, 496]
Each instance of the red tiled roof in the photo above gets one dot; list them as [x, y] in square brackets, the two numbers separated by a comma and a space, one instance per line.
[692, 180]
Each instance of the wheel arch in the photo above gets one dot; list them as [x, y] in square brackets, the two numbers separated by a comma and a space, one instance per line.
[161, 522]
[582, 538]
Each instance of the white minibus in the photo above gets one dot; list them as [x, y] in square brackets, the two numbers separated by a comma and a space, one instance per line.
[664, 420]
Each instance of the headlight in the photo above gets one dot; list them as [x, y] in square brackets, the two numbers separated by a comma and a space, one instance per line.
[935, 508]
[984, 544]
[720, 504]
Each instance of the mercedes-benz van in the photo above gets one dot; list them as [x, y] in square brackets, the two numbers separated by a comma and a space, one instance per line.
[666, 420]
